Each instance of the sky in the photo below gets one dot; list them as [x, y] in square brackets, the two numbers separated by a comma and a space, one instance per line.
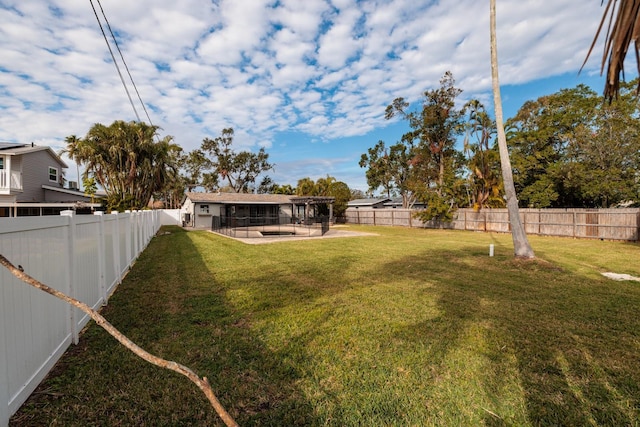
[307, 80]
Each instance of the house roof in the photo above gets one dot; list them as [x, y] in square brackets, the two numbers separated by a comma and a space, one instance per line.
[367, 202]
[313, 200]
[10, 145]
[12, 149]
[236, 198]
[68, 191]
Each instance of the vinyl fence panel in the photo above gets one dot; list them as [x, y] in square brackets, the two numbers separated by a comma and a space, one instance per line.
[35, 325]
[82, 256]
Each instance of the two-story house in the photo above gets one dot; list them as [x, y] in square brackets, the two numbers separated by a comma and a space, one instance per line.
[32, 183]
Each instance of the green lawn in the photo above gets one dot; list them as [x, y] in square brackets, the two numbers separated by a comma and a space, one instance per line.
[410, 328]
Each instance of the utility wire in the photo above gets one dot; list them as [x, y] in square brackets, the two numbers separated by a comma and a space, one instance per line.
[114, 60]
[115, 42]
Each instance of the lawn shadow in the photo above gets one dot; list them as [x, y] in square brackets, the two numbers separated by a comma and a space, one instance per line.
[570, 341]
[171, 305]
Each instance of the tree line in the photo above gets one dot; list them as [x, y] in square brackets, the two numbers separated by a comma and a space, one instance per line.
[133, 165]
[567, 149]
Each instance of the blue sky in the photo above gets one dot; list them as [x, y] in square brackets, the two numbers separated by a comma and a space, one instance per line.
[308, 80]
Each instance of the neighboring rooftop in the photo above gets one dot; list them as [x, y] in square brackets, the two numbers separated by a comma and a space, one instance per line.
[228, 198]
[10, 145]
[13, 149]
[368, 202]
[235, 198]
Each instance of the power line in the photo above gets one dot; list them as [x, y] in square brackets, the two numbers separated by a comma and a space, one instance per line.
[115, 42]
[114, 60]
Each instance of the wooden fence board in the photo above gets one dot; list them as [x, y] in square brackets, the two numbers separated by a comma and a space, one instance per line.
[609, 224]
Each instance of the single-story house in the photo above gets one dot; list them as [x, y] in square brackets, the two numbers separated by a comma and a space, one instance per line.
[369, 203]
[381, 203]
[200, 209]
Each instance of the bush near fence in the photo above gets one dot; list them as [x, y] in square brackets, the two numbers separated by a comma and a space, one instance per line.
[84, 256]
[609, 224]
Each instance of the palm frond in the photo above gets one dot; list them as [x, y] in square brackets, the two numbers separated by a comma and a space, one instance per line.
[623, 29]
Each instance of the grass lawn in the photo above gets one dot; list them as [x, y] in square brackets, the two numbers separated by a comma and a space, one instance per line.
[410, 328]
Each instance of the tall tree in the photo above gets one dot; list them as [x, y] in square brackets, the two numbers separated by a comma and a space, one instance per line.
[195, 164]
[306, 187]
[390, 168]
[521, 245]
[483, 160]
[342, 194]
[125, 161]
[570, 149]
[326, 187]
[238, 169]
[603, 163]
[435, 163]
[540, 134]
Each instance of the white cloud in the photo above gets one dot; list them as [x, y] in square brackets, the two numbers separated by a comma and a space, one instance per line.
[326, 68]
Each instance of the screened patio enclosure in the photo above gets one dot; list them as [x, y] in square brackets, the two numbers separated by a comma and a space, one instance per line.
[306, 216]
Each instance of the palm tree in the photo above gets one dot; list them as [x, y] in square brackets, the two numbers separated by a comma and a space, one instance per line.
[624, 28]
[521, 245]
[126, 162]
[306, 187]
[72, 140]
[484, 182]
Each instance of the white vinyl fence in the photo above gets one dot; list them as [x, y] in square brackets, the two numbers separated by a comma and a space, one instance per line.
[85, 257]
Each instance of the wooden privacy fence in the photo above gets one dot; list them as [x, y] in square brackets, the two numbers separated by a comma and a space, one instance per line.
[610, 224]
[85, 257]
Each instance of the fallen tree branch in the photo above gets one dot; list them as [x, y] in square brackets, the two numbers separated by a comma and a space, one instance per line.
[202, 383]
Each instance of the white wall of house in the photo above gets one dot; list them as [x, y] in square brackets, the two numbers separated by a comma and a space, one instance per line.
[204, 213]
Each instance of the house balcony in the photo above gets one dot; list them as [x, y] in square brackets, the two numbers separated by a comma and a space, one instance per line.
[10, 181]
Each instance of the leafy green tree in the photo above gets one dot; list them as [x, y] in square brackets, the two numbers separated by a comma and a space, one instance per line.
[379, 169]
[306, 187]
[603, 163]
[126, 161]
[392, 169]
[357, 194]
[90, 187]
[342, 194]
[172, 193]
[238, 169]
[326, 187]
[267, 186]
[195, 164]
[435, 164]
[570, 149]
[540, 135]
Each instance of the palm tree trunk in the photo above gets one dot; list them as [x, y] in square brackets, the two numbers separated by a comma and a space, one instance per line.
[521, 245]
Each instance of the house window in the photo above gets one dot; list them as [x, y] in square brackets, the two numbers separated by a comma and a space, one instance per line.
[53, 174]
[204, 209]
[1, 163]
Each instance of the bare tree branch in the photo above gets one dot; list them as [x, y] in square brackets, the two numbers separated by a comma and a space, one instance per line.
[202, 383]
